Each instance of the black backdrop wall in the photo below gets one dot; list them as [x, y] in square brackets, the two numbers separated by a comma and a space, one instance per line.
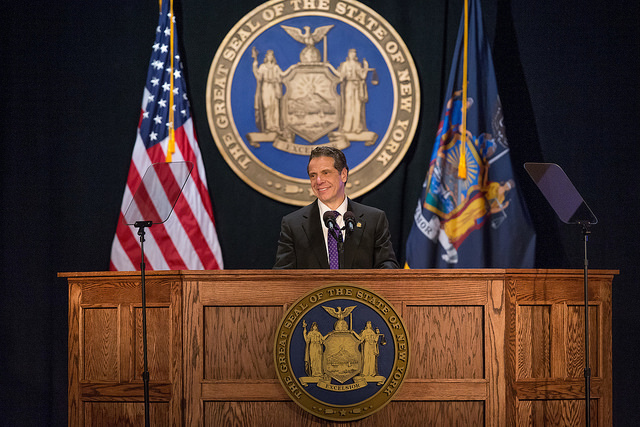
[73, 74]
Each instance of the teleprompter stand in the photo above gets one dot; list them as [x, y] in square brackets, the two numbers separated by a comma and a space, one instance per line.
[152, 203]
[571, 209]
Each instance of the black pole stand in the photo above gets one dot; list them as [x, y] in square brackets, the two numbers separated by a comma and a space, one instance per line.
[571, 209]
[141, 225]
[587, 369]
[340, 249]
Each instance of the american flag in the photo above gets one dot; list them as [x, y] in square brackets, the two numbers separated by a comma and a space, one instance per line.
[188, 240]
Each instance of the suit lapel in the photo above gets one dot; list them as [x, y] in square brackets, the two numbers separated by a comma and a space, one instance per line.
[315, 235]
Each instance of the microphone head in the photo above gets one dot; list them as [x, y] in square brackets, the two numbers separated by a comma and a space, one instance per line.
[329, 219]
[349, 220]
[349, 216]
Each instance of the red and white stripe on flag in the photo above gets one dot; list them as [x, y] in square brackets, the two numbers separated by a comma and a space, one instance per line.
[188, 239]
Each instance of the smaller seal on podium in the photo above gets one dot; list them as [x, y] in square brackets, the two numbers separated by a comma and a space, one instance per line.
[341, 352]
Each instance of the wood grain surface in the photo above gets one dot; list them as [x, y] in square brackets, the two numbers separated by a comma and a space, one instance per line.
[487, 347]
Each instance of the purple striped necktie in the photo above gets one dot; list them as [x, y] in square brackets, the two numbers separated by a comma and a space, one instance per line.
[334, 237]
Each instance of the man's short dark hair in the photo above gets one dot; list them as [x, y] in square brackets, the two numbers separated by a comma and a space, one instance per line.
[339, 159]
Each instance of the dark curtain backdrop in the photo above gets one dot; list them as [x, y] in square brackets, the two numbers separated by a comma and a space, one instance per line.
[73, 74]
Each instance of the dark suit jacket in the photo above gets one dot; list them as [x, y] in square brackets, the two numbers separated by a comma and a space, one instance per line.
[302, 244]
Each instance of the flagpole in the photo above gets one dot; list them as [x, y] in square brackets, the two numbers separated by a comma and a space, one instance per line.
[462, 165]
[171, 148]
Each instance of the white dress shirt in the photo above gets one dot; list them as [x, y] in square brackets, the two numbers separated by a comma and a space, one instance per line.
[340, 220]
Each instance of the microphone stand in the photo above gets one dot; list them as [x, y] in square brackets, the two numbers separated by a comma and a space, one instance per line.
[140, 225]
[348, 229]
[340, 249]
[587, 369]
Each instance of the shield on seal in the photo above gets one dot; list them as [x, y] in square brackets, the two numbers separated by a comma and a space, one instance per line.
[311, 105]
[342, 359]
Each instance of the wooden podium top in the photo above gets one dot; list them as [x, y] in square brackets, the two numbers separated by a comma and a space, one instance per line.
[470, 272]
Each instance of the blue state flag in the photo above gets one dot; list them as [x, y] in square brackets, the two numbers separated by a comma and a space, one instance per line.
[471, 213]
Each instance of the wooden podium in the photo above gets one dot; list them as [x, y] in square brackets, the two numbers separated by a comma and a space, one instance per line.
[488, 347]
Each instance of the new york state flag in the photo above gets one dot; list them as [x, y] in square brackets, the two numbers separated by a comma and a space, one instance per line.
[471, 213]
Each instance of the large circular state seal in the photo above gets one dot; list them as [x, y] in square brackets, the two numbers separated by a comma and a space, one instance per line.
[341, 352]
[296, 74]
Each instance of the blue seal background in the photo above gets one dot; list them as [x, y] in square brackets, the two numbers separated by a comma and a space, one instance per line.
[361, 314]
[340, 39]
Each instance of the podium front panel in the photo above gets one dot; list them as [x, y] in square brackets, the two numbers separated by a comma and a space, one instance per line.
[487, 347]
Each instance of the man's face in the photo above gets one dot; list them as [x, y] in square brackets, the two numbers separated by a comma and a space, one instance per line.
[326, 182]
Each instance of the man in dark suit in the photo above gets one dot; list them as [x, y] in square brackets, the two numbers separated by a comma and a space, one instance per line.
[304, 236]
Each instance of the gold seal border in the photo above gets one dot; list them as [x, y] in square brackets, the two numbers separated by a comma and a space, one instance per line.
[394, 144]
[292, 385]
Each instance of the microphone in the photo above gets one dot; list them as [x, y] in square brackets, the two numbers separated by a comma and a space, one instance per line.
[329, 219]
[350, 221]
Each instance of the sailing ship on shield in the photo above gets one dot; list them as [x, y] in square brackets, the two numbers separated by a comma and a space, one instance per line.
[310, 105]
[341, 354]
